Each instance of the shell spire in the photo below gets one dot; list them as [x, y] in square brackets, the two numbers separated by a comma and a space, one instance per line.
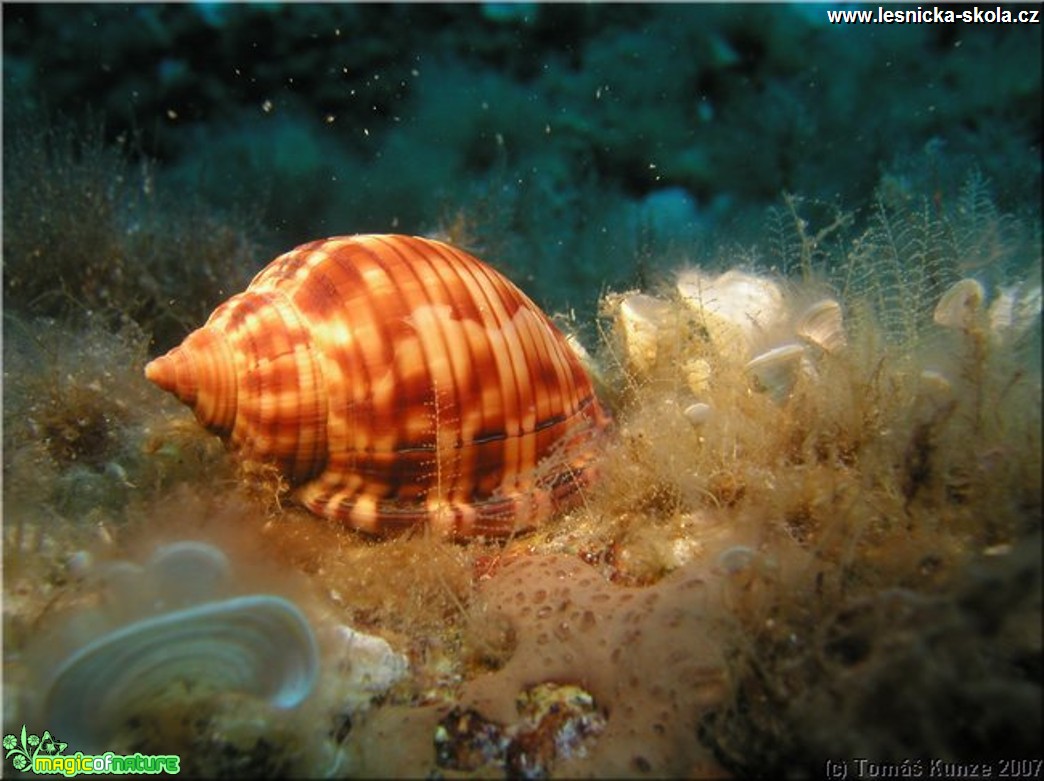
[163, 371]
[200, 373]
[396, 381]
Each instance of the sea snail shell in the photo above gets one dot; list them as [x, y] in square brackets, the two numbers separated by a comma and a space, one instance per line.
[395, 380]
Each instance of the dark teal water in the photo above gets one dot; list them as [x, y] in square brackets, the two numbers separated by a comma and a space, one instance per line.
[576, 146]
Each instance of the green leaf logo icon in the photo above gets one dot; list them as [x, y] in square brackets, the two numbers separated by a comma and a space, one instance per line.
[22, 748]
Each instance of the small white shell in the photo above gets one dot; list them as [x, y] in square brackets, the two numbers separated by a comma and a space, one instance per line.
[639, 319]
[259, 645]
[822, 324]
[699, 413]
[959, 306]
[777, 369]
[736, 308]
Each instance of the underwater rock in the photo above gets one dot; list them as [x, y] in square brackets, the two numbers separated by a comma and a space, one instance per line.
[466, 741]
[671, 213]
[366, 667]
[557, 722]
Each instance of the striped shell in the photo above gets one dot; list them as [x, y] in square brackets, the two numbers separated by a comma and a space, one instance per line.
[395, 381]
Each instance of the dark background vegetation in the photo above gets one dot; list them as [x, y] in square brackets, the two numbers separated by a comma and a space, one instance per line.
[570, 144]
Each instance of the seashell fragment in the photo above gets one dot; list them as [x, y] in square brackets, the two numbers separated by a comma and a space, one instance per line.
[639, 320]
[698, 413]
[822, 324]
[777, 370]
[735, 308]
[960, 305]
[257, 645]
[395, 381]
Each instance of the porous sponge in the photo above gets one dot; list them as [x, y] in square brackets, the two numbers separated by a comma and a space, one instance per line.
[647, 655]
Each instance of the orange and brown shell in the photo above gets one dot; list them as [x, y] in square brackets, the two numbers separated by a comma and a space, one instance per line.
[395, 381]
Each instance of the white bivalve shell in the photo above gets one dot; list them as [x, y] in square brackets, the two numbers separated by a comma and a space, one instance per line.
[698, 413]
[395, 381]
[777, 370]
[822, 324]
[959, 306]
